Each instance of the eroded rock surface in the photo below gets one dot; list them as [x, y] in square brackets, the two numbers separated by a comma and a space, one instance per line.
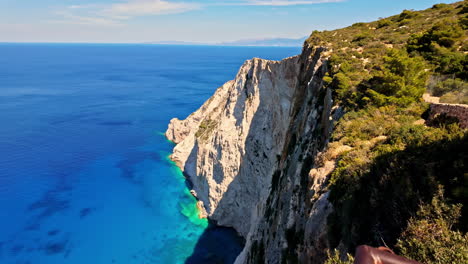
[229, 147]
[252, 152]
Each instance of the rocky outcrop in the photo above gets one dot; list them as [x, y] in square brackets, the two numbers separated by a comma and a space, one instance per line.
[253, 155]
[229, 147]
[291, 226]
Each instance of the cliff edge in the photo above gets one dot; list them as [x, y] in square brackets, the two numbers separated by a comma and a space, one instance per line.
[249, 147]
[229, 147]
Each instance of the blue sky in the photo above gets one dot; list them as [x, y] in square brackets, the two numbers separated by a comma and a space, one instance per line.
[130, 21]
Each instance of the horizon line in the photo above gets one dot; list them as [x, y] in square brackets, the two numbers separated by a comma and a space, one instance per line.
[144, 43]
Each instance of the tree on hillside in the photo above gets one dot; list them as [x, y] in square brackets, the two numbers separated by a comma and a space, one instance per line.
[401, 80]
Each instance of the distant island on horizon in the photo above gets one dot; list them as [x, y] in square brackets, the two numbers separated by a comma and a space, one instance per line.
[266, 42]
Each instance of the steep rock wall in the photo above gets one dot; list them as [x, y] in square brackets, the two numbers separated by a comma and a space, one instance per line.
[291, 226]
[253, 154]
[229, 147]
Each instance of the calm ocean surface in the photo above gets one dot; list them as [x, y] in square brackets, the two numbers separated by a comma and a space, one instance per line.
[84, 174]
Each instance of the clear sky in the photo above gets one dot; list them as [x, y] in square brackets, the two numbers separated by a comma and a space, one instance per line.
[123, 21]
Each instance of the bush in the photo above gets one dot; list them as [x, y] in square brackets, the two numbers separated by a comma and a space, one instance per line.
[441, 85]
[362, 38]
[464, 9]
[342, 85]
[407, 14]
[456, 97]
[439, 6]
[449, 62]
[393, 163]
[334, 258]
[358, 24]
[384, 23]
[401, 81]
[435, 34]
[445, 33]
[430, 238]
[463, 22]
[205, 129]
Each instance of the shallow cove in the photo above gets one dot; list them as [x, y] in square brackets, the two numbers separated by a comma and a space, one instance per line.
[84, 174]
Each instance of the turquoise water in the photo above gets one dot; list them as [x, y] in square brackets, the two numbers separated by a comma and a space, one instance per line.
[84, 173]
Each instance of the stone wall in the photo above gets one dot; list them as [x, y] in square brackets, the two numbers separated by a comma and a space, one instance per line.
[457, 111]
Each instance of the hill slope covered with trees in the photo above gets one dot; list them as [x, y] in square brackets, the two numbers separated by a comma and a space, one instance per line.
[402, 183]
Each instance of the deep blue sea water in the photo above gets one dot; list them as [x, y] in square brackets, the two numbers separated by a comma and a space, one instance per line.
[84, 174]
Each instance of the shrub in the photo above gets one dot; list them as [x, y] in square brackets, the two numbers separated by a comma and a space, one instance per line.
[464, 9]
[439, 6]
[205, 129]
[394, 163]
[384, 23]
[449, 62]
[445, 33]
[362, 38]
[441, 85]
[456, 97]
[402, 80]
[463, 22]
[430, 238]
[334, 258]
[407, 14]
[342, 85]
[358, 24]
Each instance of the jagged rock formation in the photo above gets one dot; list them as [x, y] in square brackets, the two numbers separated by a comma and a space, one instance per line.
[252, 154]
[229, 147]
[291, 222]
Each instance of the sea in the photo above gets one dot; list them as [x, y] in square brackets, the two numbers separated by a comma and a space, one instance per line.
[85, 176]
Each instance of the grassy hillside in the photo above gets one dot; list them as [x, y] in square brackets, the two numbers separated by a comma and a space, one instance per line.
[434, 39]
[402, 183]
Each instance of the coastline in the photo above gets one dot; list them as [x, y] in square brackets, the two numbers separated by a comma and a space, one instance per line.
[217, 243]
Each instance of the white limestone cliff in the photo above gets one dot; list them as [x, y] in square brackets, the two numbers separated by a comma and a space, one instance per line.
[252, 154]
[229, 147]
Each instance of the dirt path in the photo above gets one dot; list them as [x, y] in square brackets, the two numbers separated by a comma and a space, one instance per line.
[431, 99]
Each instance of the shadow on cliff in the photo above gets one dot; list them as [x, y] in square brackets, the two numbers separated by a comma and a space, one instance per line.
[217, 245]
[223, 244]
[248, 185]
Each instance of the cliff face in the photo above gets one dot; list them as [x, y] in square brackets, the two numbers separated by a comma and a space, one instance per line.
[229, 147]
[291, 223]
[252, 152]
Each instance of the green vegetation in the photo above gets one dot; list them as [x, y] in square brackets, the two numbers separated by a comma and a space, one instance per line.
[401, 80]
[394, 164]
[369, 61]
[451, 90]
[334, 258]
[429, 237]
[442, 46]
[386, 187]
[205, 129]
